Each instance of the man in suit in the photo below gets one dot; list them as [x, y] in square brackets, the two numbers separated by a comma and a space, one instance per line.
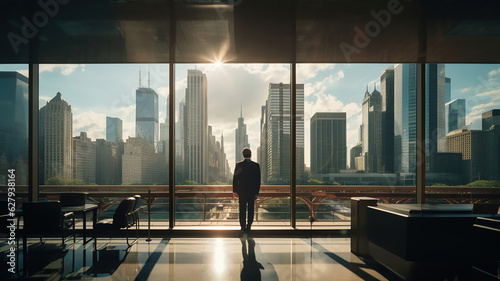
[246, 186]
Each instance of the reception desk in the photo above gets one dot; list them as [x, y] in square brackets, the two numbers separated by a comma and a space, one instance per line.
[427, 242]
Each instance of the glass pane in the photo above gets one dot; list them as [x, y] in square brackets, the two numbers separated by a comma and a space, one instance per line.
[462, 133]
[358, 123]
[13, 135]
[221, 109]
[102, 132]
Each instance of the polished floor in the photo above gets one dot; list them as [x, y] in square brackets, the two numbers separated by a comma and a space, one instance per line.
[192, 259]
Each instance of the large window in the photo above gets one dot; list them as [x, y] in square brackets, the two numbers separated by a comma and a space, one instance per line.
[221, 109]
[14, 126]
[462, 113]
[102, 131]
[356, 136]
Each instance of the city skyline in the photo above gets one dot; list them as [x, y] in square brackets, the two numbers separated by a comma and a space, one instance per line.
[328, 87]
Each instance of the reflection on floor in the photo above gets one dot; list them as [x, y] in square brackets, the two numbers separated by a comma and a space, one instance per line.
[196, 259]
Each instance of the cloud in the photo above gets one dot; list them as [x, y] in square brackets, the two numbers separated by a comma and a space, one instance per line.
[64, 69]
[464, 90]
[494, 72]
[94, 124]
[307, 71]
[24, 72]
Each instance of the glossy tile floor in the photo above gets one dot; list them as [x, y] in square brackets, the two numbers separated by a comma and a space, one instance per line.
[198, 259]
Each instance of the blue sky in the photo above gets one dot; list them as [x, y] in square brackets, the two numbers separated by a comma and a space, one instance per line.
[96, 91]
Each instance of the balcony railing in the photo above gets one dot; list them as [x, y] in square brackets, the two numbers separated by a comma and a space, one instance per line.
[215, 205]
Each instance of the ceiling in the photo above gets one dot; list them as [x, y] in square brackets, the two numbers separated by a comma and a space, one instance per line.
[250, 31]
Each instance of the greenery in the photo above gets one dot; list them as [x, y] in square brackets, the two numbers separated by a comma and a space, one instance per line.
[55, 180]
[440, 184]
[189, 182]
[483, 183]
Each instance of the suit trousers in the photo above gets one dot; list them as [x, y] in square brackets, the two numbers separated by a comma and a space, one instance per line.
[243, 210]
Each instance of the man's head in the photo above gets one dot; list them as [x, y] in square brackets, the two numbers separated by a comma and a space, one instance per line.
[247, 153]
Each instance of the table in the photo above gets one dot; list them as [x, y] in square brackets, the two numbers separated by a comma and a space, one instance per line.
[84, 209]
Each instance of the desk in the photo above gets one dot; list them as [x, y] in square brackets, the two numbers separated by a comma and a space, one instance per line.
[84, 209]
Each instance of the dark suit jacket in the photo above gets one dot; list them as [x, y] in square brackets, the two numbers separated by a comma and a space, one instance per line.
[246, 180]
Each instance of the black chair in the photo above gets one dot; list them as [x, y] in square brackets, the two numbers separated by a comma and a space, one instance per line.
[73, 199]
[122, 218]
[45, 219]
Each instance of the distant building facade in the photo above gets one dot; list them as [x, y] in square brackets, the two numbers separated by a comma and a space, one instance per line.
[58, 142]
[196, 127]
[328, 142]
[146, 115]
[241, 138]
[455, 115]
[276, 138]
[114, 129]
[141, 164]
[84, 159]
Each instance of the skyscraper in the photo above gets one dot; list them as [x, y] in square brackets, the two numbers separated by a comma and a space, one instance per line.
[196, 127]
[58, 128]
[455, 115]
[276, 122]
[164, 135]
[490, 118]
[405, 115]
[447, 89]
[328, 142]
[84, 159]
[14, 126]
[241, 138]
[180, 145]
[372, 131]
[146, 114]
[387, 92]
[141, 164]
[114, 129]
[405, 122]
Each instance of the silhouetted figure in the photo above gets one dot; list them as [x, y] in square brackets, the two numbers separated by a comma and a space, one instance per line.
[246, 184]
[251, 267]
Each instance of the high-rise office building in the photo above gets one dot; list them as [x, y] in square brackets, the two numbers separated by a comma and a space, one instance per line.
[241, 138]
[480, 152]
[277, 135]
[141, 164]
[216, 159]
[328, 142]
[196, 127]
[84, 159]
[435, 121]
[164, 135]
[114, 129]
[109, 162]
[262, 150]
[146, 115]
[372, 131]
[405, 117]
[355, 152]
[58, 128]
[405, 122]
[447, 89]
[387, 93]
[490, 118]
[14, 126]
[180, 145]
[455, 115]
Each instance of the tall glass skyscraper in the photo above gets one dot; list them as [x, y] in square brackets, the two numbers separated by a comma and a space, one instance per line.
[455, 115]
[405, 115]
[14, 125]
[146, 115]
[114, 129]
